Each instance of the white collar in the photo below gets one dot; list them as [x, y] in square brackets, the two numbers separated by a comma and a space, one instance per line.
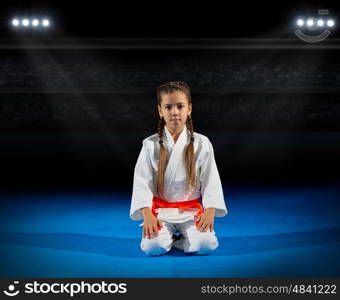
[183, 136]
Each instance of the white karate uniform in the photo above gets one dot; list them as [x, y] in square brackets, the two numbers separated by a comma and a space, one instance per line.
[208, 187]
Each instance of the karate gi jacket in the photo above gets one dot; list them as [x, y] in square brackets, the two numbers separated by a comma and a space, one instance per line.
[208, 184]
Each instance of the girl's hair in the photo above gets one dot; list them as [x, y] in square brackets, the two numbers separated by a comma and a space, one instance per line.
[189, 156]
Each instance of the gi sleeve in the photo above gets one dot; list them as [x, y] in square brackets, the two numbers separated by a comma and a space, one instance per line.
[211, 187]
[142, 191]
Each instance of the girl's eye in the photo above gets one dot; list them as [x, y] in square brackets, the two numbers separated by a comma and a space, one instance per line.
[178, 106]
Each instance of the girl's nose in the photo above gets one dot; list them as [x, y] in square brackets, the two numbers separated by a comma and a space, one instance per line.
[174, 110]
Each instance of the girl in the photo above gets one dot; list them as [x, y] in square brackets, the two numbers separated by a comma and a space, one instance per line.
[175, 168]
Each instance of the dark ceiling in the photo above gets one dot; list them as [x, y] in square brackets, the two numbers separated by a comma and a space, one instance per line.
[220, 19]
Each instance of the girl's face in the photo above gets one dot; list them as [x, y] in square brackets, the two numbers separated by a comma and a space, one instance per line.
[175, 109]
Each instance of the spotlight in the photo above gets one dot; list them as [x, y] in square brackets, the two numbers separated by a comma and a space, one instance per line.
[35, 22]
[15, 22]
[321, 23]
[299, 22]
[313, 23]
[25, 22]
[310, 22]
[330, 23]
[46, 23]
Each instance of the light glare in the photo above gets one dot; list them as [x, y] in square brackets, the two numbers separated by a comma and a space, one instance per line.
[321, 23]
[46, 22]
[300, 22]
[25, 22]
[330, 23]
[310, 22]
[15, 22]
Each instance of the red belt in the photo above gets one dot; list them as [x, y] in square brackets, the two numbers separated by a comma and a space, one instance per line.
[182, 205]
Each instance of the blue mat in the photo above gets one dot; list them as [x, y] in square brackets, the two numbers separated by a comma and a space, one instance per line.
[269, 232]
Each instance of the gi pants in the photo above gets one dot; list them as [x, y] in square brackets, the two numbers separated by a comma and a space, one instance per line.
[193, 241]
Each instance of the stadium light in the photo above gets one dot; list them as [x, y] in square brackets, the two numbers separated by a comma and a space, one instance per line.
[330, 23]
[300, 22]
[31, 22]
[321, 23]
[35, 22]
[25, 22]
[310, 22]
[314, 29]
[46, 23]
[15, 22]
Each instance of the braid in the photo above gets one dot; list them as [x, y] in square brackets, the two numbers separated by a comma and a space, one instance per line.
[160, 127]
[162, 159]
[190, 156]
[191, 128]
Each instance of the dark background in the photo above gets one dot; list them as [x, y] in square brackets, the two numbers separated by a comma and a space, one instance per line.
[103, 19]
[74, 115]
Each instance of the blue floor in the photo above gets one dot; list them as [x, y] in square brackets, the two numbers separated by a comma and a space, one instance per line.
[269, 232]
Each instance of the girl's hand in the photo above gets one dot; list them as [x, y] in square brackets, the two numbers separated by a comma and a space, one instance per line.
[206, 220]
[151, 223]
